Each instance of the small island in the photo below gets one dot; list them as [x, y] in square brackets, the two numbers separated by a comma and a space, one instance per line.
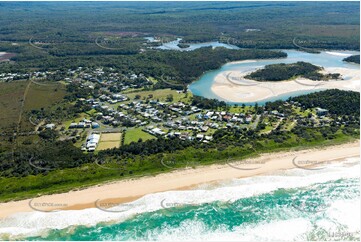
[353, 59]
[282, 72]
[183, 45]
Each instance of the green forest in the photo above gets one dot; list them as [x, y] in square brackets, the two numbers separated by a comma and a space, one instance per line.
[281, 72]
[353, 58]
[278, 22]
[74, 36]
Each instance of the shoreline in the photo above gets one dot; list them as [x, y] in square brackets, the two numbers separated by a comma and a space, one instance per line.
[124, 191]
[245, 90]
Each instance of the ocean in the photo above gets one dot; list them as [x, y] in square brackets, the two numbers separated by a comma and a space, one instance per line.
[296, 204]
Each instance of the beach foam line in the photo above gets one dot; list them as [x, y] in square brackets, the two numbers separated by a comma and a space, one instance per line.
[36, 223]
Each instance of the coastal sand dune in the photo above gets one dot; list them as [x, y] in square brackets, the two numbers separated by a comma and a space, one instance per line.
[233, 87]
[130, 190]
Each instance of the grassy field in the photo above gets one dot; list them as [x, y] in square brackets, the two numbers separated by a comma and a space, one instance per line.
[43, 96]
[240, 109]
[133, 135]
[13, 95]
[109, 140]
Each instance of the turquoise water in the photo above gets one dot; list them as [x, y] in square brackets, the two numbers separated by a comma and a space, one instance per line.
[296, 204]
[202, 87]
[238, 218]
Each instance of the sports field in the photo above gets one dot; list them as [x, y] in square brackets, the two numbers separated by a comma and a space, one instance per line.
[109, 140]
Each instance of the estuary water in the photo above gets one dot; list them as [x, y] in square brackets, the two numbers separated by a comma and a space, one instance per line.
[202, 87]
[173, 45]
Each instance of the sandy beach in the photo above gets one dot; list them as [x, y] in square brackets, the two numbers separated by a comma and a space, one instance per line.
[232, 86]
[130, 190]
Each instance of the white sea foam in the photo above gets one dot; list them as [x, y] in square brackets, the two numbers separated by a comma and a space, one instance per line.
[344, 211]
[295, 229]
[35, 223]
[194, 230]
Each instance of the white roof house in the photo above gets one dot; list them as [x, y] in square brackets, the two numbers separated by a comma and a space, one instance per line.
[199, 136]
[158, 131]
[92, 142]
[50, 126]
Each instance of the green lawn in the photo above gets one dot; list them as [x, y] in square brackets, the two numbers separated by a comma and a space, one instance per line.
[298, 111]
[289, 125]
[133, 135]
[239, 109]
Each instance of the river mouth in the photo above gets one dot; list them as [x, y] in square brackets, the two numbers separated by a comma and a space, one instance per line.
[228, 83]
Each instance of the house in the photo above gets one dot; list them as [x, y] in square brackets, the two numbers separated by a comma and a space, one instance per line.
[200, 137]
[234, 119]
[229, 125]
[95, 125]
[276, 113]
[184, 136]
[50, 126]
[209, 138]
[226, 118]
[204, 128]
[214, 125]
[87, 121]
[157, 131]
[92, 142]
[170, 135]
[73, 125]
[209, 114]
[321, 111]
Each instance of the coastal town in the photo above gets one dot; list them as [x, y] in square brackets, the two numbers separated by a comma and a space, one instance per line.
[179, 121]
[126, 106]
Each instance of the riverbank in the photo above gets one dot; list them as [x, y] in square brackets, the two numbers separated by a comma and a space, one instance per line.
[115, 193]
[233, 87]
